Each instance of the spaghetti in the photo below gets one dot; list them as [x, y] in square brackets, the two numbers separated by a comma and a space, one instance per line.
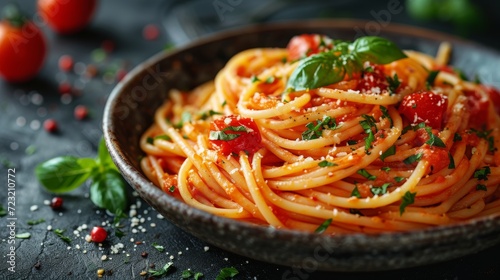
[395, 143]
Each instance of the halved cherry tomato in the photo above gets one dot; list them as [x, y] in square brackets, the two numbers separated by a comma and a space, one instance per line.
[233, 134]
[67, 16]
[307, 44]
[424, 106]
[22, 48]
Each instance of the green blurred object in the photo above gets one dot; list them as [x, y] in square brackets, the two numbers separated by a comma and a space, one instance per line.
[463, 14]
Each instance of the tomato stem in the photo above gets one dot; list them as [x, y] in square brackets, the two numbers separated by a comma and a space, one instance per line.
[13, 15]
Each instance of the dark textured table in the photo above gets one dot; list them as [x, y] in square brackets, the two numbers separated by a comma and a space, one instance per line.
[24, 143]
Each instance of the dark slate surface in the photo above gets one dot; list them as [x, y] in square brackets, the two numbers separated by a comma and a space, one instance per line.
[24, 143]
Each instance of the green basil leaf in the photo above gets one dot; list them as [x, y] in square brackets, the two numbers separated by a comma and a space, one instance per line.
[316, 71]
[221, 135]
[108, 191]
[376, 49]
[104, 158]
[63, 174]
[355, 192]
[326, 163]
[380, 190]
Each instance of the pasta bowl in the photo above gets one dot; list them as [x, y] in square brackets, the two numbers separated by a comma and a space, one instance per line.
[130, 111]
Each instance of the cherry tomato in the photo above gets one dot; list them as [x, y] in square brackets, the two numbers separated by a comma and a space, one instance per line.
[477, 106]
[56, 203]
[22, 49]
[67, 16]
[373, 80]
[307, 44]
[98, 234]
[424, 106]
[233, 134]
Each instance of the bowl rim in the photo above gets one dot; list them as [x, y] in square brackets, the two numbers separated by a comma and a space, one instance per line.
[137, 177]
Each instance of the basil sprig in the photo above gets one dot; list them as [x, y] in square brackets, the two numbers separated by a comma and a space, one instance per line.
[66, 173]
[345, 58]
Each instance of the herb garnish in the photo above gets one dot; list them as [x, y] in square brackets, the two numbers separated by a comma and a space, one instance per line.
[355, 192]
[24, 235]
[222, 135]
[399, 179]
[394, 83]
[158, 247]
[209, 113]
[323, 226]
[380, 190]
[431, 78]
[391, 151]
[314, 131]
[385, 115]
[482, 174]
[481, 187]
[452, 161]
[413, 158]
[162, 271]
[188, 274]
[59, 233]
[407, 199]
[227, 273]
[485, 134]
[345, 58]
[366, 174]
[185, 117]
[35, 222]
[326, 163]
[66, 173]
[367, 124]
[457, 137]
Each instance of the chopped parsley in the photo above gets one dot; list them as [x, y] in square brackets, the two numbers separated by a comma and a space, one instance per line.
[314, 131]
[386, 169]
[254, 79]
[270, 80]
[367, 124]
[385, 115]
[186, 274]
[413, 158]
[394, 83]
[355, 212]
[482, 174]
[326, 163]
[380, 190]
[158, 247]
[209, 113]
[485, 134]
[162, 271]
[366, 174]
[323, 226]
[355, 192]
[391, 151]
[227, 273]
[59, 233]
[222, 135]
[35, 222]
[399, 179]
[457, 137]
[171, 188]
[407, 199]
[481, 187]
[185, 117]
[431, 78]
[451, 165]
[352, 142]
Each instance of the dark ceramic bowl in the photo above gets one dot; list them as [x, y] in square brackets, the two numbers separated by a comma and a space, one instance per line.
[130, 110]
